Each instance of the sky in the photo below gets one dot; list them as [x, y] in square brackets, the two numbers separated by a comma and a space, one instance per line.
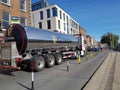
[97, 17]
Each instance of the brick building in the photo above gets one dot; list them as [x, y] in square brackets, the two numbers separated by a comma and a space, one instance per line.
[15, 11]
[90, 41]
[82, 31]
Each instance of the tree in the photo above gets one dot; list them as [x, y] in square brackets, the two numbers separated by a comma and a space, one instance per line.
[110, 39]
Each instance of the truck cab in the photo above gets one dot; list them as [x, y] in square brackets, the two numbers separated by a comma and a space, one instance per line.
[81, 45]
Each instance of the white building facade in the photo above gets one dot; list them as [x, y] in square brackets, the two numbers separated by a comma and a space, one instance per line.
[53, 18]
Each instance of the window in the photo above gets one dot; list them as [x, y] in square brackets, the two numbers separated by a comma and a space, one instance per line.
[60, 15]
[40, 25]
[67, 28]
[36, 7]
[64, 27]
[0, 25]
[48, 13]
[54, 10]
[39, 5]
[41, 15]
[71, 31]
[64, 16]
[67, 18]
[23, 5]
[49, 24]
[59, 24]
[6, 2]
[22, 20]
[5, 21]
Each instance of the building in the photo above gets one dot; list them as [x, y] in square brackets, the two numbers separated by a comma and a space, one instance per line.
[83, 32]
[89, 41]
[52, 17]
[15, 11]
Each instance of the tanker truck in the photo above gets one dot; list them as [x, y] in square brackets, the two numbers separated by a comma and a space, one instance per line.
[24, 44]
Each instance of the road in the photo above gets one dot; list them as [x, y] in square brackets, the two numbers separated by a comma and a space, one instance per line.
[56, 78]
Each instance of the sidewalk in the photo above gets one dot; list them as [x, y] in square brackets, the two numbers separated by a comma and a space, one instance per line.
[108, 75]
[116, 81]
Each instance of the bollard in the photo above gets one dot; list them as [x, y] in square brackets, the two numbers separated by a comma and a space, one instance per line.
[32, 81]
[79, 59]
[32, 68]
[67, 65]
[91, 55]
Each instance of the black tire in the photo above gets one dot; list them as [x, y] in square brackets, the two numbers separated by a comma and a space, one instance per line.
[50, 60]
[58, 58]
[39, 63]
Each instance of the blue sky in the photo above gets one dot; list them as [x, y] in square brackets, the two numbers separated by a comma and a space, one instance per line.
[97, 17]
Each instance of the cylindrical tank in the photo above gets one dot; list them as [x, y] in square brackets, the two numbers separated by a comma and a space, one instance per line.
[27, 37]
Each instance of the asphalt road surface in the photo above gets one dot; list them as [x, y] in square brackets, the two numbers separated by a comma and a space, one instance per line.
[55, 78]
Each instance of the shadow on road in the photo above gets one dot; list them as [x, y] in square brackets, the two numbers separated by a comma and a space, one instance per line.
[23, 86]
[7, 72]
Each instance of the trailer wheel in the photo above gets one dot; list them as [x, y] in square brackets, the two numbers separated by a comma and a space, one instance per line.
[39, 63]
[58, 59]
[50, 60]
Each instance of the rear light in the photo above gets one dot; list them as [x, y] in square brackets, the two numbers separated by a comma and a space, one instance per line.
[18, 59]
[73, 54]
